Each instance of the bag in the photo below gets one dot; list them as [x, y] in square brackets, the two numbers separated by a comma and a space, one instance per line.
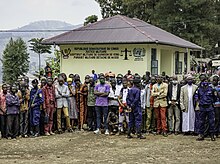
[46, 118]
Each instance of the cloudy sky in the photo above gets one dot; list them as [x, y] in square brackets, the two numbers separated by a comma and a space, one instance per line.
[16, 13]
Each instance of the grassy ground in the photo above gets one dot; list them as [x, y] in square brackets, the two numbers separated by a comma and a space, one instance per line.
[84, 147]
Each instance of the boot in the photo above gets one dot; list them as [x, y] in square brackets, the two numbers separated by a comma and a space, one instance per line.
[139, 135]
[129, 134]
[200, 138]
[37, 131]
[212, 137]
[32, 131]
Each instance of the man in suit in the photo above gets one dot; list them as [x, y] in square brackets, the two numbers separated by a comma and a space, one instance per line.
[173, 98]
[159, 92]
[186, 105]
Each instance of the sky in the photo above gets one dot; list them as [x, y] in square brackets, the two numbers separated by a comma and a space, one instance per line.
[17, 13]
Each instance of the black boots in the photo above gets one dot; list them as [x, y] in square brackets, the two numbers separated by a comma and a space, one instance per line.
[37, 131]
[212, 137]
[129, 134]
[201, 138]
[139, 135]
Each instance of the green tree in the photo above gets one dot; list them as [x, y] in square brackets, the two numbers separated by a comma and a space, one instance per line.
[91, 19]
[39, 48]
[15, 60]
[55, 63]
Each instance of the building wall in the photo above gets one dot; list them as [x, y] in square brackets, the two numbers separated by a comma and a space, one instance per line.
[83, 58]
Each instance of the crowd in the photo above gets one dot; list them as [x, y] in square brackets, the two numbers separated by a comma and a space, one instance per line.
[106, 103]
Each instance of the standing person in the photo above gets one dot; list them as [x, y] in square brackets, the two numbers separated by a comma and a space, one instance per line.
[62, 93]
[48, 70]
[36, 100]
[173, 98]
[42, 112]
[143, 106]
[134, 103]
[113, 97]
[49, 105]
[3, 110]
[102, 91]
[94, 76]
[159, 92]
[206, 97]
[151, 121]
[123, 114]
[12, 110]
[83, 101]
[187, 107]
[73, 113]
[216, 86]
[91, 114]
[24, 96]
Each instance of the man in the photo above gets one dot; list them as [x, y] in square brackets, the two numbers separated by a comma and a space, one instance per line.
[3, 110]
[134, 103]
[159, 92]
[113, 97]
[36, 100]
[24, 96]
[48, 70]
[91, 115]
[123, 114]
[206, 97]
[102, 91]
[151, 121]
[173, 98]
[187, 107]
[83, 93]
[12, 110]
[94, 76]
[62, 93]
[49, 105]
[216, 86]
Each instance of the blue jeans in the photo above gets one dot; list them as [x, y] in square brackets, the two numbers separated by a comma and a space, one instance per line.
[100, 112]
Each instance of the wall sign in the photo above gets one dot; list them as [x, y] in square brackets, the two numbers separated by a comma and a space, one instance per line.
[139, 54]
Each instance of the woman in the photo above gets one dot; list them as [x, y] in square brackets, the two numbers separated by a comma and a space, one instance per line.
[73, 112]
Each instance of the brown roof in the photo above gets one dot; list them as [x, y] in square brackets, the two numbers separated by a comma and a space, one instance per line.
[120, 29]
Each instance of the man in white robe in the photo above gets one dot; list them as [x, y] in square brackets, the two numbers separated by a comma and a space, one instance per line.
[186, 104]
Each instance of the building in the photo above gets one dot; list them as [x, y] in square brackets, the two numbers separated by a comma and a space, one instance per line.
[119, 44]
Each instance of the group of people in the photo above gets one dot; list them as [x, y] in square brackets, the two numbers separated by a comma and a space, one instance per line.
[106, 103]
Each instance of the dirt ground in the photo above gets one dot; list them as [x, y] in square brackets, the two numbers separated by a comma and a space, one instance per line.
[85, 147]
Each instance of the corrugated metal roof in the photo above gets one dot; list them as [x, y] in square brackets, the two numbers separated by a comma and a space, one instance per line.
[120, 29]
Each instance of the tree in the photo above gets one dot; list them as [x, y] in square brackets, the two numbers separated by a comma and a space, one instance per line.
[39, 48]
[55, 63]
[91, 19]
[15, 60]
[197, 21]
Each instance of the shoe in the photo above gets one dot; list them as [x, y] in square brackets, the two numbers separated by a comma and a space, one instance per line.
[139, 135]
[200, 138]
[59, 131]
[25, 136]
[51, 133]
[176, 133]
[70, 130]
[212, 137]
[47, 134]
[97, 131]
[106, 132]
[170, 133]
[37, 135]
[129, 134]
[165, 134]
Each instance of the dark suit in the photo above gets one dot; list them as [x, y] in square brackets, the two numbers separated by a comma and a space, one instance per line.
[173, 109]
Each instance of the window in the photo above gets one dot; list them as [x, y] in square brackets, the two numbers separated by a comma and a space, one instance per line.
[154, 62]
[185, 62]
[178, 64]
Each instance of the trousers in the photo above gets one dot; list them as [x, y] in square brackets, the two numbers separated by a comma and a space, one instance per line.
[12, 125]
[161, 119]
[66, 115]
[174, 112]
[23, 123]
